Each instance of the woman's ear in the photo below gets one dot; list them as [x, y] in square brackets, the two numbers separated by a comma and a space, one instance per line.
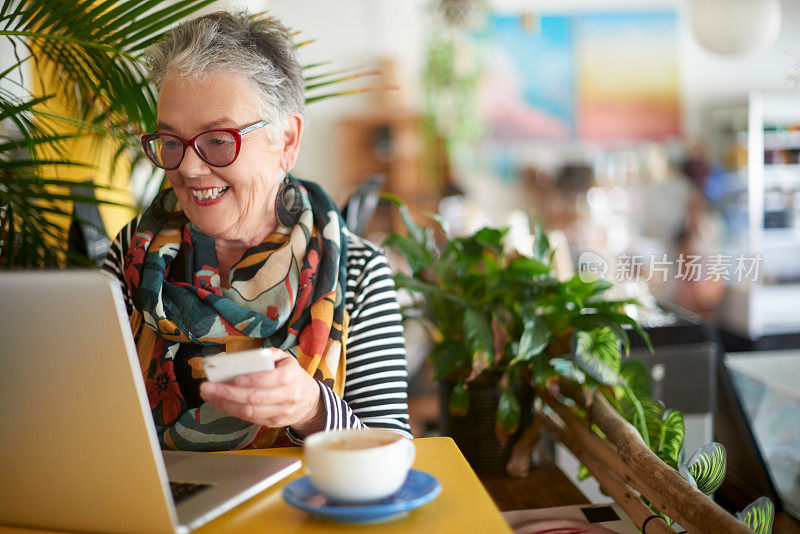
[292, 133]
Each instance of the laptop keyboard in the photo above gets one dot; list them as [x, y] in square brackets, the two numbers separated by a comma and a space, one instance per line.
[183, 490]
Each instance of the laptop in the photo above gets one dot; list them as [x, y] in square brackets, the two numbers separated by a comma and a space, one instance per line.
[79, 449]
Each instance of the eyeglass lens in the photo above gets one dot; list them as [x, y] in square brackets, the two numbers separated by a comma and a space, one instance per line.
[217, 148]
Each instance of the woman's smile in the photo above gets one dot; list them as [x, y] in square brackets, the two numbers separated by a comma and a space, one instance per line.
[207, 196]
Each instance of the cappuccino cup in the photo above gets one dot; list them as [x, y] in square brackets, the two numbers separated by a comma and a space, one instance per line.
[358, 466]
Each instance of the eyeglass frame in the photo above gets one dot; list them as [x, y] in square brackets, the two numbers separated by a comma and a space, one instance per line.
[237, 137]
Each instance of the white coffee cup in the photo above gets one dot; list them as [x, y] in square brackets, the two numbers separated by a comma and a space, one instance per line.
[358, 465]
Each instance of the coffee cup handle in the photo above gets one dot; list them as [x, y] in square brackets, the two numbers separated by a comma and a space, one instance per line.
[410, 451]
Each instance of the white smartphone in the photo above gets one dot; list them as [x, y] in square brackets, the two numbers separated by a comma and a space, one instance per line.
[226, 366]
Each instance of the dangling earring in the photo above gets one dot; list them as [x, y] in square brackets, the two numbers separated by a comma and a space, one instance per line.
[288, 203]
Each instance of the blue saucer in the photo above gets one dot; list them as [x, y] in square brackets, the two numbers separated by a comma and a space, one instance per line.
[418, 489]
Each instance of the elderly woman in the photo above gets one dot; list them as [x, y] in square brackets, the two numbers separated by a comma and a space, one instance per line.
[238, 254]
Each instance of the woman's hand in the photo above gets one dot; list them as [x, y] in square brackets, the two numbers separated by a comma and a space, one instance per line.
[285, 396]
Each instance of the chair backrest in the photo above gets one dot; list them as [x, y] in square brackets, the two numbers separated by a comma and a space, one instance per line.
[360, 207]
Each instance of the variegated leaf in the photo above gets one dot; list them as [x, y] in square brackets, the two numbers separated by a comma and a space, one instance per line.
[758, 516]
[636, 375]
[672, 434]
[597, 353]
[707, 467]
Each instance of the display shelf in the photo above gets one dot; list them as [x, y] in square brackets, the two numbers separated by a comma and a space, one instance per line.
[386, 142]
[757, 140]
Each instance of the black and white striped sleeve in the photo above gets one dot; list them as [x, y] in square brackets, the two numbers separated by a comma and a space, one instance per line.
[376, 378]
[115, 258]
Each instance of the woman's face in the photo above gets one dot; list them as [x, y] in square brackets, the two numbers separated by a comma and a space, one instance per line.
[233, 203]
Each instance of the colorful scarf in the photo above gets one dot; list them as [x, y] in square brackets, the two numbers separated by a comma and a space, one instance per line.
[287, 292]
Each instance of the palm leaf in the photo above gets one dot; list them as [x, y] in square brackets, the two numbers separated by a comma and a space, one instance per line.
[92, 49]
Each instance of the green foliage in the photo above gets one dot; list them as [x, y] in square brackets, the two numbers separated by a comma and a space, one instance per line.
[635, 374]
[705, 470]
[758, 516]
[504, 317]
[478, 334]
[494, 312]
[567, 368]
[534, 339]
[458, 403]
[449, 357]
[673, 432]
[583, 473]
[597, 353]
[508, 412]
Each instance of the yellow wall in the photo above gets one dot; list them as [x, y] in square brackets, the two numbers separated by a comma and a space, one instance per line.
[91, 149]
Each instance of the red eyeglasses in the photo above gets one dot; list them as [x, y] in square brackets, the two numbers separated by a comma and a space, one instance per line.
[218, 148]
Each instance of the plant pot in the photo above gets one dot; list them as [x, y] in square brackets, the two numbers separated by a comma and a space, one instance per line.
[475, 433]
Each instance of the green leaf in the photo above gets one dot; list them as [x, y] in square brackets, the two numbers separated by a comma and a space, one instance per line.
[658, 512]
[491, 238]
[636, 375]
[418, 258]
[508, 411]
[758, 516]
[625, 319]
[597, 353]
[634, 411]
[568, 369]
[458, 403]
[534, 339]
[447, 357]
[415, 231]
[478, 334]
[654, 419]
[672, 435]
[415, 285]
[706, 468]
[583, 473]
[541, 245]
[530, 267]
[588, 321]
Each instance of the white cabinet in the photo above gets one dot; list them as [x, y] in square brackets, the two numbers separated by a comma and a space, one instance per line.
[758, 142]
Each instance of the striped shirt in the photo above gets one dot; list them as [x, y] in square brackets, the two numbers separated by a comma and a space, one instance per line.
[376, 378]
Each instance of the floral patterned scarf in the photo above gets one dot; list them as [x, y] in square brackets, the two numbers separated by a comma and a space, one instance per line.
[287, 292]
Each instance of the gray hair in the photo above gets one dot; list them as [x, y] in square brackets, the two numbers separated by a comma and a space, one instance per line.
[259, 48]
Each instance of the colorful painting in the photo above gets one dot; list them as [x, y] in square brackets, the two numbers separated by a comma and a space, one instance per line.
[527, 88]
[627, 77]
[595, 77]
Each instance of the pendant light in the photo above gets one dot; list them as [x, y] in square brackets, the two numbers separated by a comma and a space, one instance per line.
[735, 27]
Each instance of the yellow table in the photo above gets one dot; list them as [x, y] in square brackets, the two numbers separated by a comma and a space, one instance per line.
[463, 506]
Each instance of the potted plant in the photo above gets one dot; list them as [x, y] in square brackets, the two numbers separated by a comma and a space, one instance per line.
[502, 325]
[505, 329]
